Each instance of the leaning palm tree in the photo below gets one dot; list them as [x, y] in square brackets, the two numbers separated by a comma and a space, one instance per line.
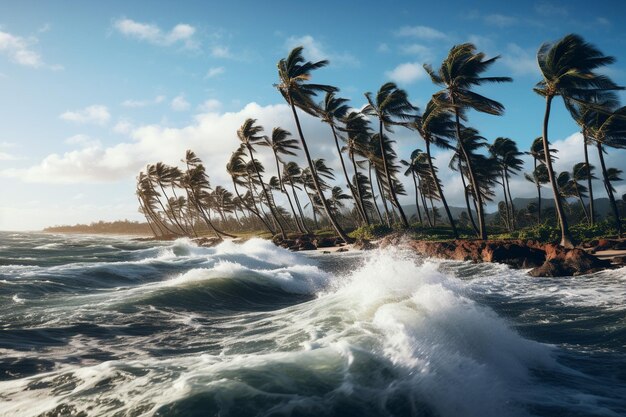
[293, 75]
[281, 143]
[436, 127]
[507, 156]
[238, 170]
[391, 106]
[459, 72]
[568, 69]
[539, 176]
[331, 110]
[250, 134]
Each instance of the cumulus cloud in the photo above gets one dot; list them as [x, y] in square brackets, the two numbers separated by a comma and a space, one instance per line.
[421, 32]
[151, 33]
[519, 60]
[214, 72]
[18, 50]
[315, 50]
[96, 114]
[210, 105]
[407, 73]
[179, 103]
[143, 103]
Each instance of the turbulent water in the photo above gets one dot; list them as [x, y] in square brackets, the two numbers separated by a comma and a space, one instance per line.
[100, 326]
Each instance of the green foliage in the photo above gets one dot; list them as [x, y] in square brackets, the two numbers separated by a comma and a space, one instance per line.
[373, 231]
[583, 231]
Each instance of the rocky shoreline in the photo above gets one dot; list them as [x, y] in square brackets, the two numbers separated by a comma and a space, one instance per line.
[543, 259]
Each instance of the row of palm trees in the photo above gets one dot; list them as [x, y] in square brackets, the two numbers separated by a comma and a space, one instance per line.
[363, 138]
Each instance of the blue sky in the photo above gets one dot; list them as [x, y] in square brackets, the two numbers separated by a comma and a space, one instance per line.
[90, 92]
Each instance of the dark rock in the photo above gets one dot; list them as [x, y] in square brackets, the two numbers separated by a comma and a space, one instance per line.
[342, 250]
[364, 244]
[325, 242]
[207, 242]
[306, 246]
[551, 268]
[619, 260]
[513, 254]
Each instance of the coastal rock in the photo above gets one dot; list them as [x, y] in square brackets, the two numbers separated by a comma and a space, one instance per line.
[342, 250]
[364, 244]
[565, 262]
[619, 260]
[547, 260]
[207, 242]
[325, 242]
[305, 245]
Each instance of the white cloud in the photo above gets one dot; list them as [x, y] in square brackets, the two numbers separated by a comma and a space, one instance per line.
[210, 105]
[123, 127]
[421, 32]
[143, 103]
[179, 103]
[149, 32]
[218, 51]
[83, 141]
[18, 50]
[314, 50]
[424, 53]
[519, 60]
[96, 114]
[499, 20]
[4, 156]
[383, 47]
[214, 72]
[407, 73]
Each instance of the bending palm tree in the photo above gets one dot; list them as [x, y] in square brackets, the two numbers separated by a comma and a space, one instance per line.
[567, 67]
[249, 135]
[390, 105]
[293, 74]
[436, 127]
[458, 73]
[330, 110]
[281, 144]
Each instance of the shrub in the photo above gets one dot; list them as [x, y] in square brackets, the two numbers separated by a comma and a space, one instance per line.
[373, 231]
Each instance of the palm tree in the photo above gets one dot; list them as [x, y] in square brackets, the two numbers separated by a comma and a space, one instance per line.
[250, 134]
[281, 143]
[358, 136]
[163, 176]
[507, 156]
[237, 169]
[459, 72]
[608, 128]
[292, 174]
[581, 172]
[331, 110]
[293, 74]
[567, 67]
[391, 106]
[436, 127]
[539, 176]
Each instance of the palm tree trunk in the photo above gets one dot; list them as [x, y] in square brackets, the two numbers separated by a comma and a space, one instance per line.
[417, 199]
[432, 207]
[566, 239]
[173, 215]
[299, 206]
[267, 197]
[424, 203]
[506, 202]
[508, 188]
[382, 198]
[206, 217]
[440, 191]
[358, 190]
[592, 213]
[479, 199]
[392, 191]
[466, 195]
[342, 234]
[609, 191]
[538, 191]
[256, 213]
[317, 226]
[348, 183]
[284, 191]
[380, 217]
[145, 214]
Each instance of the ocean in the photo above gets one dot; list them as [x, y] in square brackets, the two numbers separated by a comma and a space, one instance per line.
[109, 326]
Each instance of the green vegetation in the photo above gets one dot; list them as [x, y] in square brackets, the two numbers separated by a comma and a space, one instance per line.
[182, 202]
[119, 227]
